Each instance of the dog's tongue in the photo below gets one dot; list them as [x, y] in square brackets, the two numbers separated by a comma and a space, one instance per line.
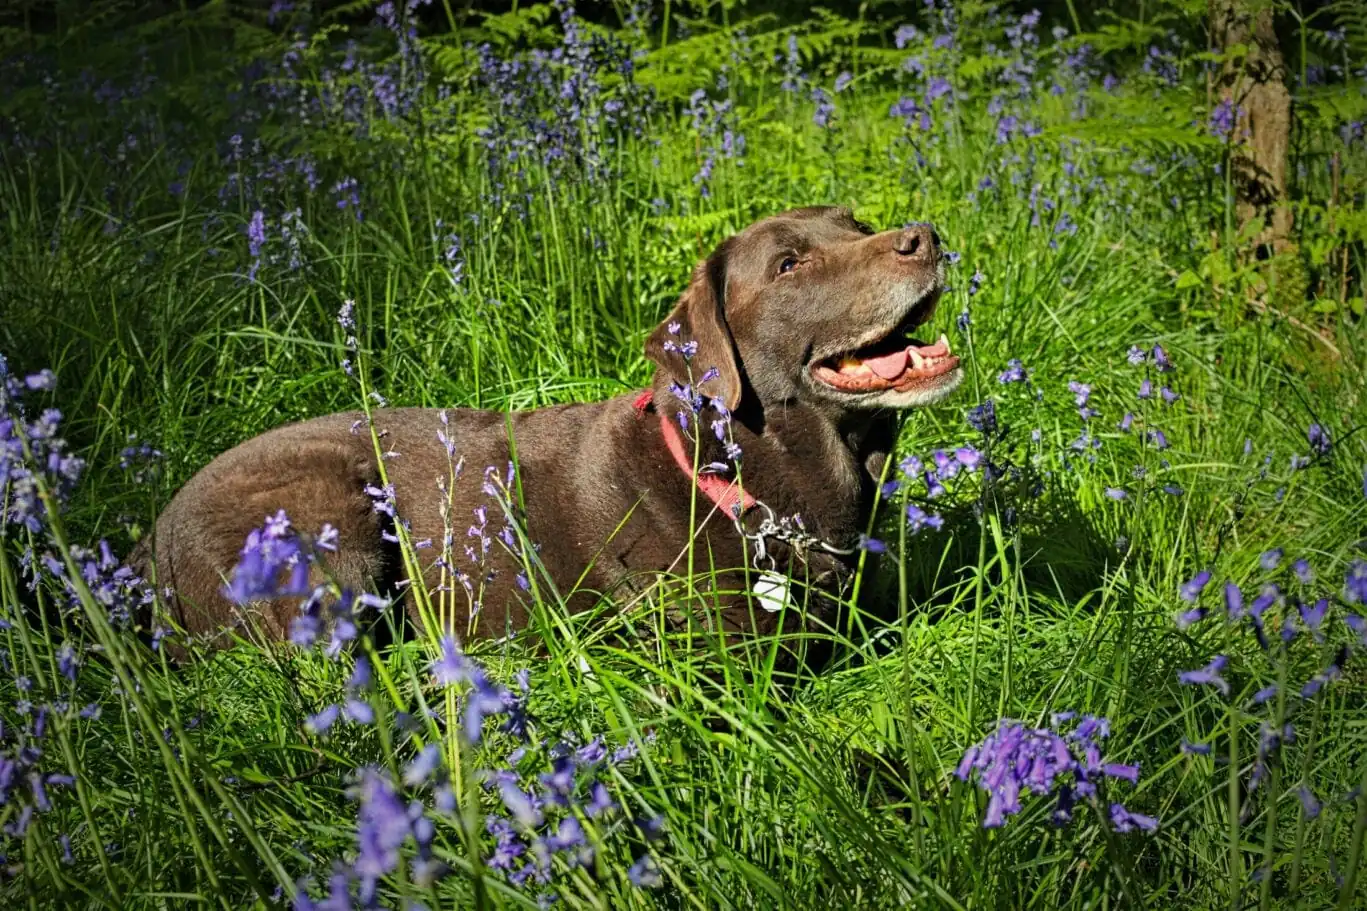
[888, 366]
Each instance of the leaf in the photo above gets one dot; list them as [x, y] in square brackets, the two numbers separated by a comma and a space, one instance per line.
[1188, 279]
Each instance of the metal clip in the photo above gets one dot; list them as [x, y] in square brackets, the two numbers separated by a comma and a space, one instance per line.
[788, 529]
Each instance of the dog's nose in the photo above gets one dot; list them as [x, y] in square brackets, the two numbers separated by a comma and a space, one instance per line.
[918, 242]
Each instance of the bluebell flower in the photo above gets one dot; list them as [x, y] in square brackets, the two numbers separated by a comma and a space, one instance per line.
[872, 545]
[1160, 360]
[1301, 568]
[424, 765]
[1192, 588]
[323, 721]
[1015, 759]
[1319, 439]
[1208, 675]
[1309, 804]
[1126, 821]
[1234, 601]
[1014, 372]
[645, 873]
[918, 519]
[600, 802]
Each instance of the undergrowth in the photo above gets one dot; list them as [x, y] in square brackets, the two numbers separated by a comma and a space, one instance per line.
[1138, 529]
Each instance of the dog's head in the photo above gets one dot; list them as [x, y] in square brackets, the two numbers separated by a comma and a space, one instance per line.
[813, 305]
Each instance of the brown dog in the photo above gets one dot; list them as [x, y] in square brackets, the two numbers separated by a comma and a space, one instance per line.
[798, 327]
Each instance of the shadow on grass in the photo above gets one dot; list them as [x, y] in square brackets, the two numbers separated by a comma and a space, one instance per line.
[1047, 543]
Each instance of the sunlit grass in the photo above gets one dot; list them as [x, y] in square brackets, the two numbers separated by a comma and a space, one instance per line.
[832, 789]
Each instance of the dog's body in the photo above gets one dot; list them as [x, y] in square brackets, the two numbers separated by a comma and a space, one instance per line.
[607, 503]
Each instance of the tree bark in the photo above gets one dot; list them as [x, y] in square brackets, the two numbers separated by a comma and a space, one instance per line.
[1255, 83]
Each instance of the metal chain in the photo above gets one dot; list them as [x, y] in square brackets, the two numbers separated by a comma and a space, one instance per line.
[788, 529]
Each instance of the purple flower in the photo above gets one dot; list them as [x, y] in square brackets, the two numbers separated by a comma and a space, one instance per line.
[1208, 675]
[1358, 625]
[1120, 770]
[1160, 359]
[358, 711]
[1267, 596]
[1309, 804]
[1188, 617]
[305, 629]
[271, 564]
[825, 107]
[1313, 617]
[423, 766]
[983, 417]
[1115, 493]
[872, 545]
[645, 873]
[1195, 749]
[1192, 588]
[1014, 372]
[1126, 821]
[1234, 601]
[1301, 567]
[904, 35]
[67, 661]
[1271, 558]
[1355, 583]
[256, 240]
[1014, 759]
[383, 824]
[1136, 355]
[451, 665]
[324, 720]
[919, 519]
[975, 283]
[600, 801]
[521, 805]
[1221, 122]
[1319, 439]
[1317, 682]
[44, 380]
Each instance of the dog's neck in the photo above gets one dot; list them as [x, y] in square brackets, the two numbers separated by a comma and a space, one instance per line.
[799, 458]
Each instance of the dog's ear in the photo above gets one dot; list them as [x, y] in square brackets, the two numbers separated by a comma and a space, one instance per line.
[694, 339]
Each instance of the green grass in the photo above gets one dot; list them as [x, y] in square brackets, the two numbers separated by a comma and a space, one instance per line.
[201, 786]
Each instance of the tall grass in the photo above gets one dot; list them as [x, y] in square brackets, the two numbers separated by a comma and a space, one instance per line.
[177, 243]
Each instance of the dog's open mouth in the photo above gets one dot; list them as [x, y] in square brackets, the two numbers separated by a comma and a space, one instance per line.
[896, 361]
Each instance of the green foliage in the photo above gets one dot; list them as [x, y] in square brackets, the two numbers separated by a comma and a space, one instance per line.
[512, 254]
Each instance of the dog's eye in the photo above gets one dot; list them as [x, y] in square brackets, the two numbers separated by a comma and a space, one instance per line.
[789, 264]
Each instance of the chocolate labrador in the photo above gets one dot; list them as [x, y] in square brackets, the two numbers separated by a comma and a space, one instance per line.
[780, 373]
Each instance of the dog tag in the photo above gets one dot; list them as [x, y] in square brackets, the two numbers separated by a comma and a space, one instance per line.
[772, 591]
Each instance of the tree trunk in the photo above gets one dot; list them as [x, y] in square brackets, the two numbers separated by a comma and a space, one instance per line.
[1255, 83]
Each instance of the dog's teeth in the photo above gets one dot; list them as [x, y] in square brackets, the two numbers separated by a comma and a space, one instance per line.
[850, 365]
[943, 340]
[917, 362]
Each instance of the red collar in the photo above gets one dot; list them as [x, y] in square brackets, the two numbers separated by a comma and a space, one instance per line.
[725, 494]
